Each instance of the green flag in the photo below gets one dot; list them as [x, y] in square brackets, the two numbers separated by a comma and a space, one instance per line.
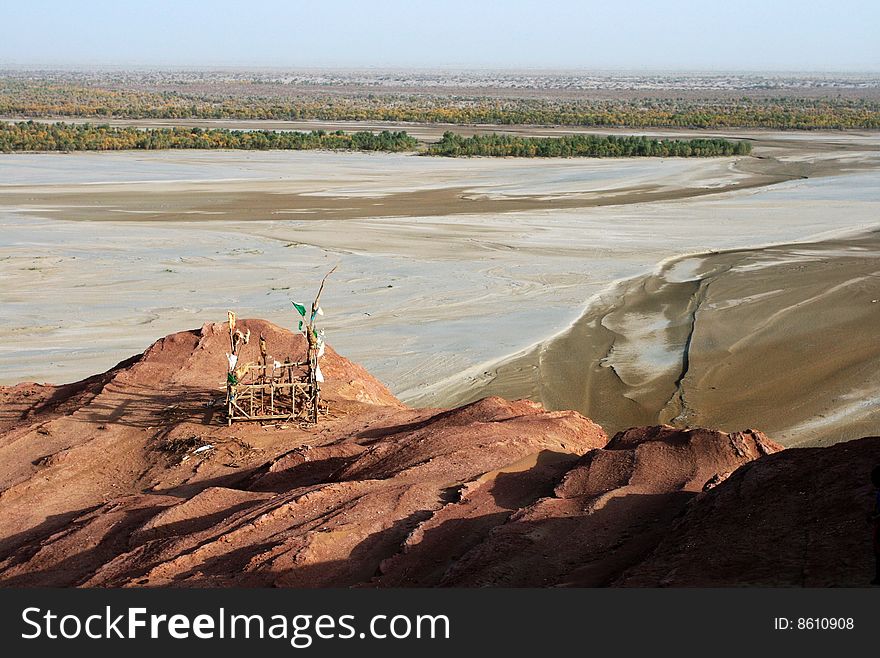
[300, 308]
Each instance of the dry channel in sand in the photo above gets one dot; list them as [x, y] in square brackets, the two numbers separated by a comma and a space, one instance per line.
[452, 270]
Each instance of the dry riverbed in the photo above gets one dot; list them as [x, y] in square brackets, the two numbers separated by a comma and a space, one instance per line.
[558, 279]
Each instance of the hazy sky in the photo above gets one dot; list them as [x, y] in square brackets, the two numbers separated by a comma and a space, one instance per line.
[667, 34]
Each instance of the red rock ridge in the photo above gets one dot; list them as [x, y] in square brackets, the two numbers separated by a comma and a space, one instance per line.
[100, 485]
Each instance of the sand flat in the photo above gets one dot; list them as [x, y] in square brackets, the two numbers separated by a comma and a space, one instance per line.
[782, 338]
[447, 267]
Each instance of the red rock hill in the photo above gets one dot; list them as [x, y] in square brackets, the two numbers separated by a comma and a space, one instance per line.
[100, 485]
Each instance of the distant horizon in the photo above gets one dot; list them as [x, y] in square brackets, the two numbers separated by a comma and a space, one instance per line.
[98, 66]
[784, 36]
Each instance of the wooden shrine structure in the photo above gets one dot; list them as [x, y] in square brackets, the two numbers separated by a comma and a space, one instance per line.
[274, 391]
[282, 392]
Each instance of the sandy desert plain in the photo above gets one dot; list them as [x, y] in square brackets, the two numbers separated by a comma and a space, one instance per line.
[722, 292]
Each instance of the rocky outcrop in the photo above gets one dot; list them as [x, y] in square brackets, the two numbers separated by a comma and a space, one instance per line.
[131, 478]
[113, 492]
[609, 510]
[794, 519]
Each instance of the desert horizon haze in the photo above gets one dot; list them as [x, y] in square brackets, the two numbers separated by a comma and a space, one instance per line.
[750, 35]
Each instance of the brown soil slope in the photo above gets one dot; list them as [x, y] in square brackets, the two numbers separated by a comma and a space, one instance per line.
[797, 518]
[609, 510]
[100, 485]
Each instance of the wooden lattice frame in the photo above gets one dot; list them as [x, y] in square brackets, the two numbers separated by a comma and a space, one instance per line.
[264, 392]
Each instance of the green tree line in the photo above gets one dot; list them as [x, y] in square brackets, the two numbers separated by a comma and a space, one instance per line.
[595, 146]
[33, 136]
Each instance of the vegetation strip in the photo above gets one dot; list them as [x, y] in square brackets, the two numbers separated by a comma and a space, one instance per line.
[34, 136]
[41, 98]
[595, 146]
